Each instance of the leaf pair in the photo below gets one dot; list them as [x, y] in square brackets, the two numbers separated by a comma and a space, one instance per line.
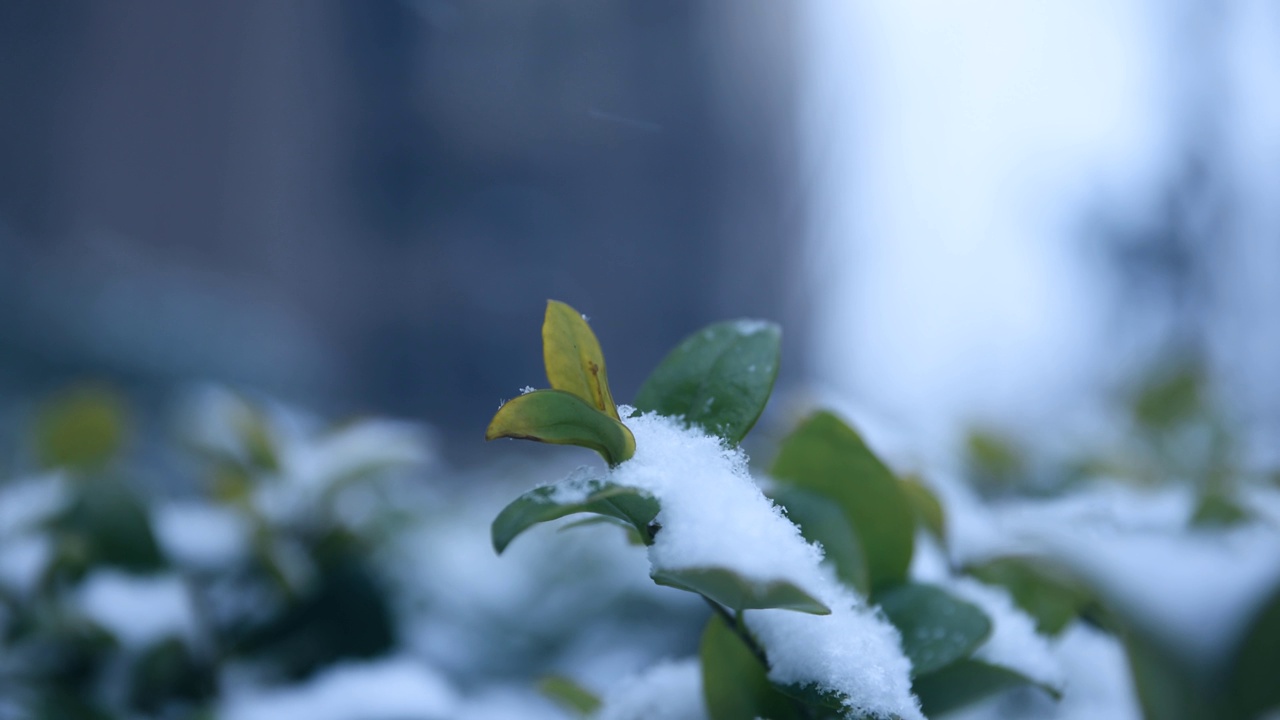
[578, 409]
[719, 379]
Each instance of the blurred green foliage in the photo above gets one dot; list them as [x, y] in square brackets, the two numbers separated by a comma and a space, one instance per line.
[320, 602]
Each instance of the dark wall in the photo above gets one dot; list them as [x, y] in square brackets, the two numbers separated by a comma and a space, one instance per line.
[363, 206]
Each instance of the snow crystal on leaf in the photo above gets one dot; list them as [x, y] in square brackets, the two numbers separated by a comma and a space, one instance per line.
[669, 690]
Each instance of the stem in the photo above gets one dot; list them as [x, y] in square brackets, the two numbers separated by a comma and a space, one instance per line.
[734, 621]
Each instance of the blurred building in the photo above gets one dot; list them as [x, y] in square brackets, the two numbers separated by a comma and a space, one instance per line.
[363, 206]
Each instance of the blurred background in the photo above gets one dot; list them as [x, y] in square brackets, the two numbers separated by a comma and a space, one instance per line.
[364, 206]
[983, 214]
[1024, 247]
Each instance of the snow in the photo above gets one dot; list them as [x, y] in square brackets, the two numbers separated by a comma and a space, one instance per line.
[312, 460]
[1096, 684]
[502, 702]
[357, 447]
[138, 610]
[1194, 590]
[25, 505]
[852, 652]
[670, 690]
[579, 603]
[714, 515]
[1014, 642]
[27, 502]
[751, 327]
[577, 487]
[23, 560]
[201, 535]
[387, 688]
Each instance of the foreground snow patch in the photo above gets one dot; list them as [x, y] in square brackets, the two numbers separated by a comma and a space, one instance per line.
[714, 515]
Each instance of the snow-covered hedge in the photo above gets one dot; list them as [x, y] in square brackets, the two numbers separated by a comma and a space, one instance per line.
[269, 565]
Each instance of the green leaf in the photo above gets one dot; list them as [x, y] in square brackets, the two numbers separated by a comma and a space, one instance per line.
[569, 694]
[1173, 395]
[719, 378]
[1252, 687]
[1167, 688]
[734, 683]
[635, 507]
[1049, 596]
[966, 682]
[995, 462]
[820, 520]
[1218, 509]
[937, 628]
[633, 535]
[575, 363]
[927, 507]
[82, 429]
[827, 457]
[738, 593]
[557, 417]
[814, 697]
[167, 672]
[105, 524]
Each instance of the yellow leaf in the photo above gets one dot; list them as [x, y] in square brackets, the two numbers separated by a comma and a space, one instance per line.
[560, 418]
[575, 363]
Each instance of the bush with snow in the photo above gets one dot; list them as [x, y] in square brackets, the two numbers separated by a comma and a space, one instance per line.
[815, 612]
[332, 571]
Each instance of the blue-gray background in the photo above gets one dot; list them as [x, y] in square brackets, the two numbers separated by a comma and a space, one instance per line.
[983, 213]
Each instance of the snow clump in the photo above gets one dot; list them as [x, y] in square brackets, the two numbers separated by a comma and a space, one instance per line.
[714, 515]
